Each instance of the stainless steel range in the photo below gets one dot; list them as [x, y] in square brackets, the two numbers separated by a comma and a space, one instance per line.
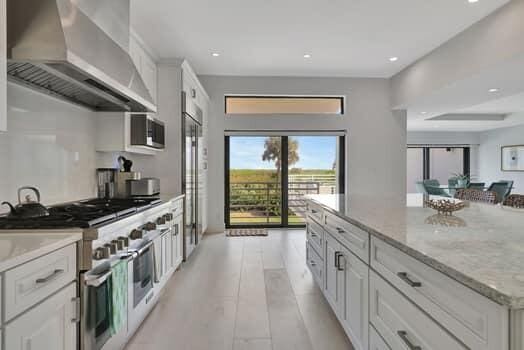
[115, 231]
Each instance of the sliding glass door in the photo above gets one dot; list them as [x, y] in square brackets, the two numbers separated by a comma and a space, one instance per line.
[267, 177]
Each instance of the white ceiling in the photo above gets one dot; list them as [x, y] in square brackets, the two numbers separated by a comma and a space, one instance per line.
[472, 96]
[344, 37]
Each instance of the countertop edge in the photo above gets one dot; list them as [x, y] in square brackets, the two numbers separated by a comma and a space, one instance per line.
[69, 238]
[479, 287]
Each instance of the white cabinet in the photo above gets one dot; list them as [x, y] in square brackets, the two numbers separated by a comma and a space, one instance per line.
[167, 256]
[3, 67]
[355, 292]
[332, 277]
[50, 325]
[177, 241]
[402, 324]
[346, 289]
[477, 321]
[375, 341]
[145, 64]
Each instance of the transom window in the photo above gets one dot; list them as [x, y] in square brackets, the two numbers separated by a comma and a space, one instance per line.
[284, 104]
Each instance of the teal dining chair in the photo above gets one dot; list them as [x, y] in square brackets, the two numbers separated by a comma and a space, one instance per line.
[477, 185]
[502, 189]
[432, 187]
[452, 182]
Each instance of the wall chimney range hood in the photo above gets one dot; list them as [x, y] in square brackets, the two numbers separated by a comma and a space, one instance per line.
[54, 47]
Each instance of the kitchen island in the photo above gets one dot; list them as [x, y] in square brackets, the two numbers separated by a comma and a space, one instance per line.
[399, 276]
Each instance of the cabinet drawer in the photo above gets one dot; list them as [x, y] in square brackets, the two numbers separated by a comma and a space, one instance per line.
[315, 236]
[475, 320]
[402, 324]
[352, 237]
[315, 211]
[375, 340]
[316, 265]
[34, 281]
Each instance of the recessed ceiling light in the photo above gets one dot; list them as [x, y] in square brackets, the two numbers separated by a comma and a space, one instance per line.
[472, 1]
[493, 90]
[307, 55]
[215, 54]
[423, 112]
[393, 59]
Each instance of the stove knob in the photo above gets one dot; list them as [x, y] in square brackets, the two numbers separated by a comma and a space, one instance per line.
[168, 217]
[124, 240]
[136, 234]
[161, 220]
[150, 226]
[112, 247]
[119, 244]
[101, 253]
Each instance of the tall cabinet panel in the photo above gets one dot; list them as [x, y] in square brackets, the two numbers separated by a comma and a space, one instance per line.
[3, 67]
[197, 105]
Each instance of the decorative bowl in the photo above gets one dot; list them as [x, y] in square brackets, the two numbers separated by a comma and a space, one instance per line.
[445, 206]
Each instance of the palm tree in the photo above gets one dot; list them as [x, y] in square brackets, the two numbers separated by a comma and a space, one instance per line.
[271, 153]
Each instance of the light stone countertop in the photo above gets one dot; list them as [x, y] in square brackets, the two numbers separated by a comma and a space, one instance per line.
[166, 197]
[19, 247]
[486, 253]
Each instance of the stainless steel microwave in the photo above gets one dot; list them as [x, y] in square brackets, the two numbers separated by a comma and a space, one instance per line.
[147, 131]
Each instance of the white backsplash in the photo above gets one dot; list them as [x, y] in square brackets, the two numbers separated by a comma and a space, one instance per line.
[49, 144]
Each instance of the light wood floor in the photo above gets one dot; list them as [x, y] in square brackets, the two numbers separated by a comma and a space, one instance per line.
[245, 293]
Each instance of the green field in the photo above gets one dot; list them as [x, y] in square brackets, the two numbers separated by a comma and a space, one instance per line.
[267, 175]
[255, 194]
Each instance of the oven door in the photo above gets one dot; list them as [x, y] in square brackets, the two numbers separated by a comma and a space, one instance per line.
[140, 288]
[143, 272]
[97, 308]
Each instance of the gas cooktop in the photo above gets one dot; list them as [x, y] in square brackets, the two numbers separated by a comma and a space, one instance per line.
[81, 214]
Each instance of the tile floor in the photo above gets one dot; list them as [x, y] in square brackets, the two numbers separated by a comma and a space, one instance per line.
[243, 293]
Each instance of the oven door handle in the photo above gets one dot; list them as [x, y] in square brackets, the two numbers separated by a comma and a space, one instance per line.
[144, 247]
[98, 280]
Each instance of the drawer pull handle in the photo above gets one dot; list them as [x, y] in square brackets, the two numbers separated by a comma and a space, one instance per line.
[313, 263]
[313, 211]
[339, 266]
[313, 234]
[51, 277]
[404, 336]
[76, 319]
[404, 276]
[340, 230]
[338, 255]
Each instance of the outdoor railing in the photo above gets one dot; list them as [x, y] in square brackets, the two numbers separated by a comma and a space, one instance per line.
[260, 202]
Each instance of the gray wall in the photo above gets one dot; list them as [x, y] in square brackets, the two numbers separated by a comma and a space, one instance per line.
[376, 157]
[49, 144]
[489, 155]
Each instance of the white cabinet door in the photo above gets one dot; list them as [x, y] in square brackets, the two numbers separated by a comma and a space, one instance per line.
[3, 67]
[375, 341]
[177, 242]
[50, 325]
[167, 258]
[355, 318]
[333, 276]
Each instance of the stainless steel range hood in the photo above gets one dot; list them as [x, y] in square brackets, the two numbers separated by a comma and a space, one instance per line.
[53, 46]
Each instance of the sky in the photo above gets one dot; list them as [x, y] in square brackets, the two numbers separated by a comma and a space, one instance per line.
[315, 152]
